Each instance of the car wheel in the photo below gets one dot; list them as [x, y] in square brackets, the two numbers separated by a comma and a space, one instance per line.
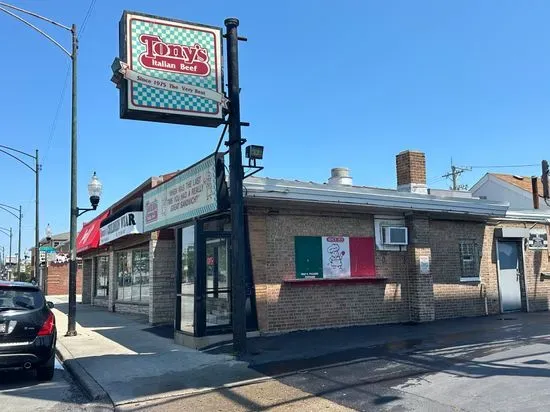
[46, 371]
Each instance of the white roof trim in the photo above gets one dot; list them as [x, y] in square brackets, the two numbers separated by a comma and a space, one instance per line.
[479, 183]
[265, 188]
[529, 215]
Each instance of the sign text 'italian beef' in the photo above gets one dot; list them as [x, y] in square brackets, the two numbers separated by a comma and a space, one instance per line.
[172, 71]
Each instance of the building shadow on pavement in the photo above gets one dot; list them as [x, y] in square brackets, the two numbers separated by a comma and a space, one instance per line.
[23, 384]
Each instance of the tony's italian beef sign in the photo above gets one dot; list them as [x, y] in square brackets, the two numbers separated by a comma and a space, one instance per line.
[172, 71]
[334, 257]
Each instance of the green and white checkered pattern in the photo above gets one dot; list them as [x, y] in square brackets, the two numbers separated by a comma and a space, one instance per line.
[156, 98]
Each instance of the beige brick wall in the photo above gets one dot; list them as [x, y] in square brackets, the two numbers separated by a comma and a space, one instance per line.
[283, 307]
[421, 284]
[454, 298]
[162, 281]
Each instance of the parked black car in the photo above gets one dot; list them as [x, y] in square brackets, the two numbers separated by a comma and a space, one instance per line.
[27, 329]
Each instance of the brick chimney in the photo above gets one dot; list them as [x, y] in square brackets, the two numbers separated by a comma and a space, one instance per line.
[411, 172]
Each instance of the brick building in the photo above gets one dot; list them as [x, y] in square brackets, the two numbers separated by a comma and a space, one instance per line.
[324, 254]
[57, 278]
[124, 269]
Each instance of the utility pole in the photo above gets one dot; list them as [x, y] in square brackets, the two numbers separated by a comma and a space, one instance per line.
[9, 233]
[36, 223]
[454, 174]
[71, 329]
[236, 174]
[19, 247]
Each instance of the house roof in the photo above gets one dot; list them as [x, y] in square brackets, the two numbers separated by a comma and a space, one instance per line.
[523, 182]
[57, 237]
[386, 199]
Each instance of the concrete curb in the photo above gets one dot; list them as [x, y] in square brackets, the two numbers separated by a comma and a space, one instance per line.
[95, 392]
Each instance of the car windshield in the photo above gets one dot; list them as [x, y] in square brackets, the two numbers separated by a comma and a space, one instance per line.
[18, 298]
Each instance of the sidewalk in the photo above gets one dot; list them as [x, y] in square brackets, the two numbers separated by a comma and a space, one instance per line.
[121, 358]
[117, 355]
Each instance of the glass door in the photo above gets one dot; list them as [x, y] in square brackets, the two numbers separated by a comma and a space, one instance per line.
[218, 282]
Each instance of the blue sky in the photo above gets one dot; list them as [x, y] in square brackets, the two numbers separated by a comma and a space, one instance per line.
[324, 84]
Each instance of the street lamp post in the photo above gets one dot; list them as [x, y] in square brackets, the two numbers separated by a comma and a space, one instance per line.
[36, 169]
[7, 208]
[10, 234]
[74, 210]
[94, 190]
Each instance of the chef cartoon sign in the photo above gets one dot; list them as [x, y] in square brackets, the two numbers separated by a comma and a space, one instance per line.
[336, 257]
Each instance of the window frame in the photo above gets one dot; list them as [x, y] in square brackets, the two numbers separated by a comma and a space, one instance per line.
[127, 281]
[475, 260]
[96, 279]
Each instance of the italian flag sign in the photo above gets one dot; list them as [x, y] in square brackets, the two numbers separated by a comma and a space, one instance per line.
[332, 257]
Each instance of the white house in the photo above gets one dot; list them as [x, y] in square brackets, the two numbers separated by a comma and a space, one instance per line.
[517, 190]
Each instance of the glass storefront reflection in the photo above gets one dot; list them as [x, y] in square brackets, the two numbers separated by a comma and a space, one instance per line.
[187, 287]
[218, 297]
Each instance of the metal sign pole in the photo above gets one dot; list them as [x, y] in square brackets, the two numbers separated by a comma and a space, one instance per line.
[238, 291]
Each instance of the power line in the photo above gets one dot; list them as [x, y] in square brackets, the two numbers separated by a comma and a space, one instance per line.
[86, 18]
[501, 166]
[56, 117]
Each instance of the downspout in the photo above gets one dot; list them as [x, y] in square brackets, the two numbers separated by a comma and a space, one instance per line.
[483, 293]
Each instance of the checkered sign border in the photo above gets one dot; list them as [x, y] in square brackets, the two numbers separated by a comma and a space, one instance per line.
[147, 98]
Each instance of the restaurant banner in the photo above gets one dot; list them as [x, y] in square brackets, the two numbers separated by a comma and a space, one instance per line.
[196, 191]
[172, 71]
[128, 224]
[334, 257]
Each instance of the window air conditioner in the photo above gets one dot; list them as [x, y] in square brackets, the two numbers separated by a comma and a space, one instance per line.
[395, 235]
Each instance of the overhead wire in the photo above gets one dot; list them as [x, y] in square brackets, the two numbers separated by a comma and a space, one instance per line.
[62, 95]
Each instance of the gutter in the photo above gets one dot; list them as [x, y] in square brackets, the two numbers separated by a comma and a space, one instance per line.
[520, 215]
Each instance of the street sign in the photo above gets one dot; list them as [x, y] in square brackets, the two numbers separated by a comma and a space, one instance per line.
[47, 249]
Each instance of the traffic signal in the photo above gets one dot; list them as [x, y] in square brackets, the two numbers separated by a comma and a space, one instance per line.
[544, 179]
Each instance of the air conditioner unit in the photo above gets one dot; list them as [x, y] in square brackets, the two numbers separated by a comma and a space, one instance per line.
[396, 236]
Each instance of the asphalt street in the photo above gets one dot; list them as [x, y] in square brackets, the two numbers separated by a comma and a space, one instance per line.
[508, 371]
[20, 391]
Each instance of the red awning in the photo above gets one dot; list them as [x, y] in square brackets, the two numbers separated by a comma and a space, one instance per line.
[88, 238]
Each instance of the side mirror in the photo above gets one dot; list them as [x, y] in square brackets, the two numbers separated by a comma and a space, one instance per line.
[50, 304]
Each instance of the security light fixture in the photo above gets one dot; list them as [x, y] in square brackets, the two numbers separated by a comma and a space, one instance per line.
[254, 152]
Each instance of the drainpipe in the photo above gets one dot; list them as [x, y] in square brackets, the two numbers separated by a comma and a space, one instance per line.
[483, 292]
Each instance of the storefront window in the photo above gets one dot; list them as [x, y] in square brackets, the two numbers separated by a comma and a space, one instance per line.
[101, 286]
[133, 275]
[218, 297]
[140, 275]
[187, 287]
[124, 279]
